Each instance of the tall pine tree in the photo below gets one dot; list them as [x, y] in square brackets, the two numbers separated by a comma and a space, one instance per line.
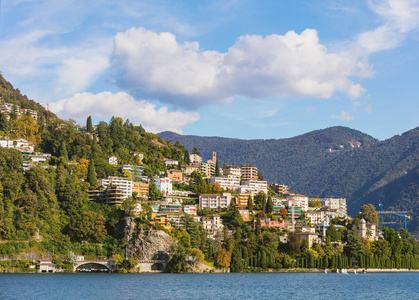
[91, 174]
[89, 124]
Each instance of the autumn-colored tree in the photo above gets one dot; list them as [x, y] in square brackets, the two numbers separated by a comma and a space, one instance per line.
[197, 256]
[283, 211]
[222, 258]
[26, 127]
[84, 165]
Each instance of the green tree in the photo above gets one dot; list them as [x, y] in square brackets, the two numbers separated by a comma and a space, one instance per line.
[153, 192]
[250, 204]
[195, 151]
[369, 214]
[89, 124]
[236, 261]
[332, 233]
[269, 205]
[63, 151]
[91, 174]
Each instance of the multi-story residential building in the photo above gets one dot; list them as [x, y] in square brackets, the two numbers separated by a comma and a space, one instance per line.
[279, 188]
[39, 157]
[32, 113]
[254, 187]
[232, 171]
[170, 162]
[19, 144]
[164, 185]
[162, 220]
[268, 222]
[314, 217]
[170, 208]
[136, 171]
[175, 175]
[207, 169]
[190, 209]
[336, 203]
[109, 195]
[113, 160]
[213, 225]
[188, 170]
[120, 182]
[298, 200]
[141, 188]
[229, 182]
[249, 173]
[245, 214]
[214, 201]
[195, 158]
[279, 201]
[241, 199]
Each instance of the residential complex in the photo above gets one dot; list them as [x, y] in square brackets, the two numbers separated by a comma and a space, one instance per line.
[227, 183]
[336, 203]
[249, 173]
[214, 201]
[122, 183]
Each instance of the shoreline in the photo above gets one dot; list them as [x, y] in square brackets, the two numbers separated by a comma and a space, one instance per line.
[329, 271]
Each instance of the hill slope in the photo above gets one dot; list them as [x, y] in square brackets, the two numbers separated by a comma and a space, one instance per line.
[375, 172]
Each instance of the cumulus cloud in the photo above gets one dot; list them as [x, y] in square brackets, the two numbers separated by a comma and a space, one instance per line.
[399, 17]
[343, 116]
[293, 64]
[106, 104]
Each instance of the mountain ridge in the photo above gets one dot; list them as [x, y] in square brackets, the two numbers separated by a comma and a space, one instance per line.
[324, 163]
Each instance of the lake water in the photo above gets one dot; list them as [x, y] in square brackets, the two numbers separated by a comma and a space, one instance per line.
[211, 286]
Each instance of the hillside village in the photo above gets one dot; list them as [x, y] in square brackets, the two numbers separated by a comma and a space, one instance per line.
[212, 216]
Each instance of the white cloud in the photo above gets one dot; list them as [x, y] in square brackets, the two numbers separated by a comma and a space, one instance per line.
[343, 116]
[399, 17]
[106, 104]
[294, 64]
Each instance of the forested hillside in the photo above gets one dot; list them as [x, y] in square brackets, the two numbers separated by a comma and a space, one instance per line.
[50, 201]
[376, 172]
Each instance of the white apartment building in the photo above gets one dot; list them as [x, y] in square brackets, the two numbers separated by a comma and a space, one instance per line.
[190, 209]
[164, 185]
[298, 200]
[195, 158]
[18, 144]
[113, 160]
[254, 187]
[120, 182]
[336, 203]
[229, 182]
[213, 225]
[232, 171]
[214, 201]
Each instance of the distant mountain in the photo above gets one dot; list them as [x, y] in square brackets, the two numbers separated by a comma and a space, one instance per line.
[333, 162]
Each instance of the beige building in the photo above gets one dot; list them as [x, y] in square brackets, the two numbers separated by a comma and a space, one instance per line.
[140, 188]
[279, 188]
[188, 170]
[336, 203]
[120, 182]
[232, 171]
[367, 230]
[213, 225]
[254, 187]
[195, 158]
[214, 201]
[241, 199]
[249, 173]
[229, 182]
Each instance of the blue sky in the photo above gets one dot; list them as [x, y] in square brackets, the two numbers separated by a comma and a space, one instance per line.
[244, 69]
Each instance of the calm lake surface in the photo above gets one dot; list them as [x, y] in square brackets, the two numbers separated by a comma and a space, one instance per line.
[210, 286]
